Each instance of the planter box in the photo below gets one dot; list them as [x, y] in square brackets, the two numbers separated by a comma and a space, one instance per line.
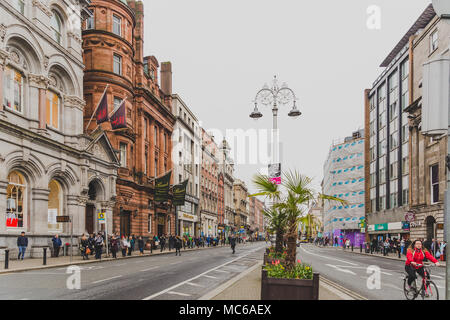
[289, 289]
[268, 260]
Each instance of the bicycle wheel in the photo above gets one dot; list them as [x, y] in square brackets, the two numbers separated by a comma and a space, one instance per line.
[410, 294]
[431, 293]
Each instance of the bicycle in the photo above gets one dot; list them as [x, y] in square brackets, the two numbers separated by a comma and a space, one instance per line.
[428, 289]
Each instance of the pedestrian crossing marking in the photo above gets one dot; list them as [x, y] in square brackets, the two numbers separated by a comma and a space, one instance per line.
[179, 293]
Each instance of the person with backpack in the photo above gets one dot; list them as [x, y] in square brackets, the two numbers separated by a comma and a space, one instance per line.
[414, 261]
[84, 247]
[141, 246]
[178, 245]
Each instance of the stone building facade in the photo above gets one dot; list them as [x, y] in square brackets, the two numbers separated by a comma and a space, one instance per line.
[241, 206]
[227, 169]
[114, 59]
[428, 153]
[209, 186]
[48, 167]
[186, 156]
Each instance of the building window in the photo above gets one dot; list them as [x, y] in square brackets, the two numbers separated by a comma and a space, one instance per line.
[52, 116]
[123, 154]
[405, 165]
[394, 199]
[19, 5]
[117, 25]
[405, 86]
[117, 64]
[156, 136]
[393, 140]
[405, 133]
[434, 178]
[405, 196]
[382, 175]
[382, 203]
[145, 129]
[393, 171]
[145, 163]
[117, 102]
[149, 223]
[15, 200]
[156, 166]
[90, 23]
[434, 39]
[13, 87]
[55, 205]
[56, 25]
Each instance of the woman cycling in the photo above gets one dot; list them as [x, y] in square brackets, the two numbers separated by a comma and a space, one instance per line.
[414, 261]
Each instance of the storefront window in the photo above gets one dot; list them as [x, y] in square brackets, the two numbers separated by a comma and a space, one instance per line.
[15, 200]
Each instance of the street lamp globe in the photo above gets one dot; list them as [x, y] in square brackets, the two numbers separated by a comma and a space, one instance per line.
[294, 112]
[256, 114]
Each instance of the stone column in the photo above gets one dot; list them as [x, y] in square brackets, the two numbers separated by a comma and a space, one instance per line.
[41, 83]
[38, 218]
[3, 56]
[3, 185]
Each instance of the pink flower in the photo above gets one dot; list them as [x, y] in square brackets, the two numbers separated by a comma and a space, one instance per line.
[298, 261]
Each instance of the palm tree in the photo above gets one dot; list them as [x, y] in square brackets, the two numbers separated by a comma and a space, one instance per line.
[277, 224]
[300, 195]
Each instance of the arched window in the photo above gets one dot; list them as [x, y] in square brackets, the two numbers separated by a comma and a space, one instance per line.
[55, 205]
[53, 104]
[15, 200]
[13, 85]
[56, 25]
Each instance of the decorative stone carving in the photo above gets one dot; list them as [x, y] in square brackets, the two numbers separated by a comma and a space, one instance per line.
[44, 8]
[74, 102]
[38, 81]
[75, 37]
[46, 62]
[4, 56]
[82, 200]
[3, 29]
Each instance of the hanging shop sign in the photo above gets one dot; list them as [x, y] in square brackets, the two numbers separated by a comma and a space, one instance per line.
[179, 193]
[410, 216]
[162, 185]
[406, 225]
[101, 217]
[62, 219]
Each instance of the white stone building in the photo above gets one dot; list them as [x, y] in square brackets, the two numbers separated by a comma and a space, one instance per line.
[186, 157]
[48, 168]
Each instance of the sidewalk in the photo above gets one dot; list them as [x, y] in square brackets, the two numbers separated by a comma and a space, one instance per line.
[62, 261]
[392, 256]
[247, 286]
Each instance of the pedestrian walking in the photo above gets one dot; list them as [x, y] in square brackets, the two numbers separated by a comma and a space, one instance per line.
[124, 246]
[91, 241]
[84, 247]
[386, 247]
[162, 241]
[178, 245]
[141, 246]
[402, 246]
[114, 245]
[56, 245]
[130, 245]
[233, 243]
[98, 246]
[22, 244]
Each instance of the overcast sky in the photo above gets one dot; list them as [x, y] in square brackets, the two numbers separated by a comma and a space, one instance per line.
[222, 53]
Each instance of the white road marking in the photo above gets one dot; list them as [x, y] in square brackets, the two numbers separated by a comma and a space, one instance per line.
[98, 281]
[391, 286]
[200, 275]
[194, 284]
[435, 276]
[179, 293]
[211, 277]
[221, 271]
[324, 257]
[342, 270]
[152, 268]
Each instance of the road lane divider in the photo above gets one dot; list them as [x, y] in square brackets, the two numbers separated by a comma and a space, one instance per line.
[200, 275]
[341, 291]
[103, 280]
[325, 257]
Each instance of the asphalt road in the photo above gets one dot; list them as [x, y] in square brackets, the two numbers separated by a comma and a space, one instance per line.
[166, 277]
[350, 270]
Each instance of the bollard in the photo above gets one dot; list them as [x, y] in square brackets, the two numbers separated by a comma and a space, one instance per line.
[151, 247]
[6, 259]
[360, 248]
[399, 254]
[352, 247]
[45, 256]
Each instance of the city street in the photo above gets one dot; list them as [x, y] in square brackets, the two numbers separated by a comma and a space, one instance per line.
[350, 271]
[164, 277]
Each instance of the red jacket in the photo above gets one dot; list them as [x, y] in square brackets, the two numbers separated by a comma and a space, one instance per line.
[418, 256]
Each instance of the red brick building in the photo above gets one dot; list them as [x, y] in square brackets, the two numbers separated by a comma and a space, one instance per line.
[113, 56]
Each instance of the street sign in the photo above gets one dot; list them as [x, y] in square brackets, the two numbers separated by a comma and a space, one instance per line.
[101, 217]
[62, 219]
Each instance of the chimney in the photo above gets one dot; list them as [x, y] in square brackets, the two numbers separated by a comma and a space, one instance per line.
[166, 78]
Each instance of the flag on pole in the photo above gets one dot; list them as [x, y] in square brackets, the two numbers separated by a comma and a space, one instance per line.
[102, 109]
[118, 119]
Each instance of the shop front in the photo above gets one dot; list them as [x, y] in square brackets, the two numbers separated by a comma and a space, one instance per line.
[187, 224]
[383, 231]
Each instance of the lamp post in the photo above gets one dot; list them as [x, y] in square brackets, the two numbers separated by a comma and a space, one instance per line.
[274, 97]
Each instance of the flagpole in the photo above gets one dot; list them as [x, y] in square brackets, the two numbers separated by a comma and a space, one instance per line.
[104, 92]
[123, 101]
